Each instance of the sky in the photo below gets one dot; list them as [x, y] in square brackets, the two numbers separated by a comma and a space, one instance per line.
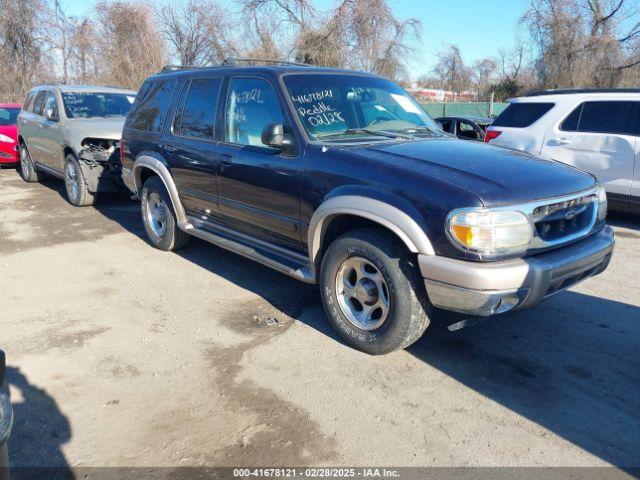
[479, 28]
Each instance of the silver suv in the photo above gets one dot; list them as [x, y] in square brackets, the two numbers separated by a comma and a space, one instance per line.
[73, 133]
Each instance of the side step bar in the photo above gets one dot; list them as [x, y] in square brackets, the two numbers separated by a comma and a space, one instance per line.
[278, 258]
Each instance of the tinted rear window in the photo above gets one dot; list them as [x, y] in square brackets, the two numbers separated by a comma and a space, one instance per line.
[609, 117]
[150, 107]
[198, 116]
[521, 115]
[9, 115]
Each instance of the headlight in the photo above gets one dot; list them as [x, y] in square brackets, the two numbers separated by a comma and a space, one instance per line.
[490, 232]
[5, 139]
[602, 203]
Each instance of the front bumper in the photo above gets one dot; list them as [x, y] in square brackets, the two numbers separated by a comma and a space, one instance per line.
[8, 153]
[484, 289]
[128, 179]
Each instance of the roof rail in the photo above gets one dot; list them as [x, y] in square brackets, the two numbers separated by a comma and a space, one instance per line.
[174, 68]
[231, 62]
[569, 91]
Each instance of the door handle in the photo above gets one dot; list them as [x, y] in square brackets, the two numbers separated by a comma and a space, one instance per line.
[227, 159]
[559, 141]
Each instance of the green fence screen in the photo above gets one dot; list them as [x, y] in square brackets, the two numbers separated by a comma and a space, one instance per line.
[443, 109]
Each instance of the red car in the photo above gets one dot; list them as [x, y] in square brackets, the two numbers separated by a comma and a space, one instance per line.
[9, 132]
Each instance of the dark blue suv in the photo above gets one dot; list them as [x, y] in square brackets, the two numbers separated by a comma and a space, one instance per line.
[340, 178]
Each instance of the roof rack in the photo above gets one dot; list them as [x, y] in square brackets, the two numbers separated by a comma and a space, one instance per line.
[230, 62]
[569, 91]
[271, 61]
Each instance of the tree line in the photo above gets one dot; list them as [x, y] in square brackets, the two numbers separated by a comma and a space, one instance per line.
[563, 43]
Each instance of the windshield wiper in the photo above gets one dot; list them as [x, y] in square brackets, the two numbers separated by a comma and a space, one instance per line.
[418, 128]
[366, 131]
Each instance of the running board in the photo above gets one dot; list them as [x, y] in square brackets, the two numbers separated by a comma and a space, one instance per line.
[278, 258]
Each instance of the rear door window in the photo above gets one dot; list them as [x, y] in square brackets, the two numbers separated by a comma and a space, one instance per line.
[28, 103]
[151, 107]
[522, 114]
[617, 117]
[197, 118]
[38, 105]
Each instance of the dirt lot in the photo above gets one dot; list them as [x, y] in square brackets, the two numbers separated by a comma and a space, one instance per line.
[122, 355]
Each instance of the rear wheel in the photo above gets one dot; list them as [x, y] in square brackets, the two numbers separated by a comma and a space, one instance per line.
[77, 191]
[372, 292]
[159, 218]
[28, 171]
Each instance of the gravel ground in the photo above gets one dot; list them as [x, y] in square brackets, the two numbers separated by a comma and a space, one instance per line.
[122, 355]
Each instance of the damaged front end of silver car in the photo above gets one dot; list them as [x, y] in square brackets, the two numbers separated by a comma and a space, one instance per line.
[100, 159]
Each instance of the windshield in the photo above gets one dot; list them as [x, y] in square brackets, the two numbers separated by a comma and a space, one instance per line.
[9, 115]
[91, 104]
[354, 107]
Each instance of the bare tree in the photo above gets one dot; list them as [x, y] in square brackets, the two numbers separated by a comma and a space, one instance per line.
[452, 70]
[130, 47]
[60, 30]
[381, 42]
[482, 75]
[585, 42]
[198, 31]
[84, 54]
[22, 45]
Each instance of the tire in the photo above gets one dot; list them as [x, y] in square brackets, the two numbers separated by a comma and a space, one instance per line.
[78, 193]
[28, 170]
[388, 275]
[159, 217]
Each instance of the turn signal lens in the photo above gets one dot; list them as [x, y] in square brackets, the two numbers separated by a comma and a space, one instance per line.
[490, 232]
[602, 203]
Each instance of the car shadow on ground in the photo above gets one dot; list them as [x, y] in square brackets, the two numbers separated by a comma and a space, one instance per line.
[624, 220]
[570, 365]
[39, 431]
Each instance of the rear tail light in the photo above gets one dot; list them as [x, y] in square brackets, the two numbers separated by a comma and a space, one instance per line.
[491, 134]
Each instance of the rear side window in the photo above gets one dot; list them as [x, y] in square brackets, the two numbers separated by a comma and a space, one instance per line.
[570, 124]
[38, 105]
[151, 106]
[28, 103]
[615, 117]
[521, 115]
[198, 115]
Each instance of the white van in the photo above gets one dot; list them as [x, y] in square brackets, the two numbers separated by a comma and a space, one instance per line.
[594, 130]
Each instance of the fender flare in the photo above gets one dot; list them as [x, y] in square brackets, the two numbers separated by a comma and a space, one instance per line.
[399, 222]
[160, 169]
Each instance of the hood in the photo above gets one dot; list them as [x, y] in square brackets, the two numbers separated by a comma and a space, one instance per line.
[496, 175]
[108, 128]
[10, 131]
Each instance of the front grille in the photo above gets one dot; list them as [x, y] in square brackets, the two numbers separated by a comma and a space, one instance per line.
[557, 221]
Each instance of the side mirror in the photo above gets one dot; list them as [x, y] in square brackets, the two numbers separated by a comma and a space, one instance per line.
[274, 136]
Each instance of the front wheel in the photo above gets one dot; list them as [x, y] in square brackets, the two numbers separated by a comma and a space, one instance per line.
[77, 191]
[372, 292]
[159, 218]
[28, 171]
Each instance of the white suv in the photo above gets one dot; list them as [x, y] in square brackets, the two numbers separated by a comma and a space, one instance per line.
[594, 130]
